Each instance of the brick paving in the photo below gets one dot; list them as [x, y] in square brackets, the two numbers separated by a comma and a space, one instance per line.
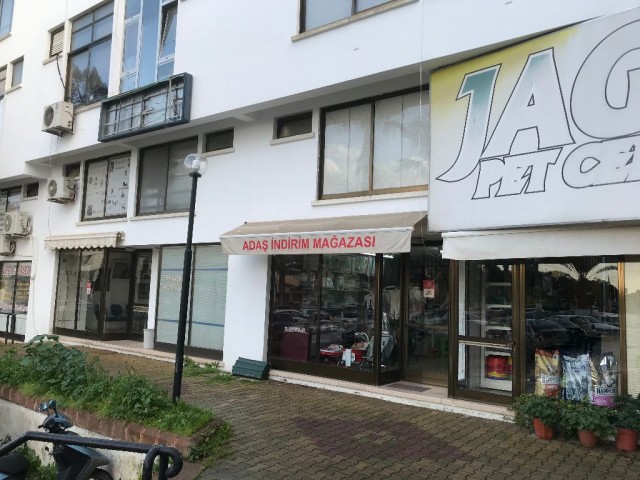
[284, 431]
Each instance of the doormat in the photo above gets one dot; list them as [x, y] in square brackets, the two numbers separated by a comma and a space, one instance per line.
[411, 388]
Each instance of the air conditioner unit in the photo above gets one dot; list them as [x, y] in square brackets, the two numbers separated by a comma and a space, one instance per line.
[17, 223]
[7, 245]
[61, 190]
[58, 118]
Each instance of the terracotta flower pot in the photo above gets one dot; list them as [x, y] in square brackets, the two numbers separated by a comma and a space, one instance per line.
[587, 438]
[626, 440]
[543, 431]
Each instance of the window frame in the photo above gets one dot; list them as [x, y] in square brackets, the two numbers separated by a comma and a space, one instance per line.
[20, 62]
[4, 10]
[3, 81]
[26, 190]
[354, 11]
[85, 171]
[88, 48]
[321, 151]
[53, 41]
[5, 208]
[166, 186]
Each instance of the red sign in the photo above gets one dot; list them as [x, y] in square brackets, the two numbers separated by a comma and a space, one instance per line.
[429, 288]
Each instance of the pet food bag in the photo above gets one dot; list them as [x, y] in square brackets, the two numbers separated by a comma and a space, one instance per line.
[576, 377]
[604, 380]
[547, 373]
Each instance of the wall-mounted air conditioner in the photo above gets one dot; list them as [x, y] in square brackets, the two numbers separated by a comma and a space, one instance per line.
[58, 118]
[7, 245]
[17, 224]
[61, 190]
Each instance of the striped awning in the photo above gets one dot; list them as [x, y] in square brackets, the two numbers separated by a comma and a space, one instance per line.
[84, 240]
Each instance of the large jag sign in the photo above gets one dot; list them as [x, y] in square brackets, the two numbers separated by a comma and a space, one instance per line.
[544, 132]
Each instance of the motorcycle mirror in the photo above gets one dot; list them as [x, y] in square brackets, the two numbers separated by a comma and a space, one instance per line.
[43, 407]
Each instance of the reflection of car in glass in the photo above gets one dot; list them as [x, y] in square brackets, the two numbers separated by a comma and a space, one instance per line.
[592, 326]
[576, 336]
[547, 332]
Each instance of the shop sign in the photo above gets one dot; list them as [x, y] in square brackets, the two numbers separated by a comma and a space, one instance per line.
[429, 288]
[543, 132]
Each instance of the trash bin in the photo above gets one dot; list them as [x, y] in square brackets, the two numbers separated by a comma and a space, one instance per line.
[148, 338]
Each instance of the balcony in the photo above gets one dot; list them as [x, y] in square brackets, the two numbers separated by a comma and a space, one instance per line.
[152, 107]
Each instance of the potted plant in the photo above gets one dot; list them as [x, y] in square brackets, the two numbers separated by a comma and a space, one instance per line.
[591, 422]
[627, 421]
[537, 411]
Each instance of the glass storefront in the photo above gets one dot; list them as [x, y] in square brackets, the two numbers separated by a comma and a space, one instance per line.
[15, 281]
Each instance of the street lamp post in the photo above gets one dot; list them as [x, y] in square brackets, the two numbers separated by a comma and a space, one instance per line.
[196, 164]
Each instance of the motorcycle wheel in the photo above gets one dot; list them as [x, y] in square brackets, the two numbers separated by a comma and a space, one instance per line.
[100, 475]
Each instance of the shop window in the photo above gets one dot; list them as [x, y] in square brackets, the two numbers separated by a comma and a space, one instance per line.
[165, 185]
[380, 145]
[206, 315]
[56, 42]
[106, 188]
[6, 15]
[149, 42]
[15, 281]
[9, 202]
[16, 72]
[89, 57]
[572, 326]
[632, 322]
[220, 140]
[316, 13]
[293, 125]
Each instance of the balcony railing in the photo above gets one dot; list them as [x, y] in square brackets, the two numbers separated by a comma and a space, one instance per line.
[152, 107]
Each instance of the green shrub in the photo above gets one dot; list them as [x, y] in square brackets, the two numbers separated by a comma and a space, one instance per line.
[134, 398]
[529, 406]
[627, 412]
[586, 416]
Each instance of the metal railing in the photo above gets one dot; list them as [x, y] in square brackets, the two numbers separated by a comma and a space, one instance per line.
[152, 451]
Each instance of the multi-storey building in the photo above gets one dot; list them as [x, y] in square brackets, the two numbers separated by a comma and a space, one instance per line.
[422, 190]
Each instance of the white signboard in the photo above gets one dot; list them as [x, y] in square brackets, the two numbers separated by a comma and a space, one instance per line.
[545, 132]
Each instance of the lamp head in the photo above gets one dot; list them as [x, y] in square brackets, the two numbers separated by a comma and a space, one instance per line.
[196, 163]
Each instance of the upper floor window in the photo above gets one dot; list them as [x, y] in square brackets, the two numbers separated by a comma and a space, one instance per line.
[220, 140]
[3, 81]
[6, 13]
[379, 145]
[9, 202]
[31, 190]
[293, 125]
[106, 188]
[56, 42]
[164, 183]
[16, 72]
[316, 13]
[149, 42]
[89, 56]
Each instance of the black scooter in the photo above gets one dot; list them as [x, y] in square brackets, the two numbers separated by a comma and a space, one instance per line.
[73, 462]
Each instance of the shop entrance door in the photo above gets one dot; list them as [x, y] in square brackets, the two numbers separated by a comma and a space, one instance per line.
[427, 332]
[116, 295]
[487, 351]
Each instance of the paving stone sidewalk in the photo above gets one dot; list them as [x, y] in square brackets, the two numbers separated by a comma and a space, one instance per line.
[284, 431]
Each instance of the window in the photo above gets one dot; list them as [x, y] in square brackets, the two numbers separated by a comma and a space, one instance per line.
[106, 188]
[220, 140]
[72, 170]
[16, 72]
[316, 13]
[31, 190]
[9, 202]
[149, 42]
[57, 42]
[206, 317]
[380, 145]
[90, 55]
[164, 183]
[6, 13]
[3, 81]
[15, 280]
[293, 125]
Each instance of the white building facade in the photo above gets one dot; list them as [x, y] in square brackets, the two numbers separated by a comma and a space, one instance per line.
[333, 235]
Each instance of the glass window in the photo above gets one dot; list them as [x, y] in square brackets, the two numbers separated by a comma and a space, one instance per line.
[67, 291]
[15, 282]
[56, 42]
[219, 140]
[293, 125]
[207, 299]
[31, 190]
[90, 56]
[165, 184]
[3, 81]
[6, 14]
[16, 75]
[397, 158]
[323, 12]
[572, 326]
[632, 319]
[9, 202]
[106, 188]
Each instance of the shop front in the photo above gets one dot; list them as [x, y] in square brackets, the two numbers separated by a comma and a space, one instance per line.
[533, 183]
[358, 298]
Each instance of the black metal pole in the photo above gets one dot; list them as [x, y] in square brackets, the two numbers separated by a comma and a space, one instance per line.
[184, 297]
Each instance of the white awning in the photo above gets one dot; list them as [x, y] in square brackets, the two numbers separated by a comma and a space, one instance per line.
[384, 233]
[84, 240]
[542, 242]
